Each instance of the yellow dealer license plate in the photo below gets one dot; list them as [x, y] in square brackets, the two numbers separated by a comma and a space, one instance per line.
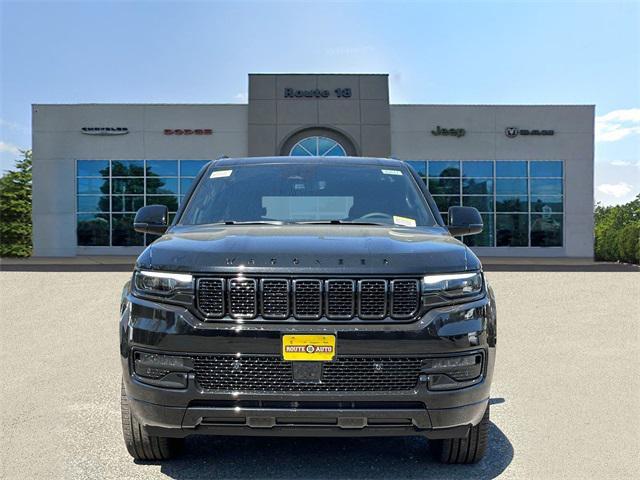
[309, 348]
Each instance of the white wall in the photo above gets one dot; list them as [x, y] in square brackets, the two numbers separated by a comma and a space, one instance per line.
[58, 143]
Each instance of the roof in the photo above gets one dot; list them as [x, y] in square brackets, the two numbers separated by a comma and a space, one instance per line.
[390, 162]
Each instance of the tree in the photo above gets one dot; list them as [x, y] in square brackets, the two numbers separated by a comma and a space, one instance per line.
[15, 209]
[617, 232]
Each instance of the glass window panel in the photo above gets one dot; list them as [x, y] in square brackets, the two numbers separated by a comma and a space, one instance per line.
[546, 204]
[445, 202]
[477, 169]
[127, 168]
[123, 186]
[511, 186]
[484, 238]
[482, 203]
[92, 203]
[546, 186]
[445, 218]
[512, 203]
[190, 168]
[512, 229]
[324, 145]
[156, 185]
[92, 229]
[122, 232]
[298, 151]
[441, 186]
[545, 169]
[448, 168]
[546, 230]
[479, 186]
[92, 185]
[511, 169]
[162, 168]
[127, 203]
[419, 166]
[92, 168]
[171, 201]
[185, 183]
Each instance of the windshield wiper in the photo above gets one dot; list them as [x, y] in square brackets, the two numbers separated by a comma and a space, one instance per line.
[339, 222]
[249, 222]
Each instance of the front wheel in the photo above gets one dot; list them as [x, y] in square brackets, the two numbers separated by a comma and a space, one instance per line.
[469, 449]
[140, 445]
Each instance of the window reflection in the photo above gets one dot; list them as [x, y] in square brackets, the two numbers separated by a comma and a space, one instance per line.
[109, 193]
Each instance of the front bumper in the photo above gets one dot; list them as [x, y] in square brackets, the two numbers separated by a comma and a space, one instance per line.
[179, 412]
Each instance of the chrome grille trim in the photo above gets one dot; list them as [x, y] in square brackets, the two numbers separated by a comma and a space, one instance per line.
[340, 299]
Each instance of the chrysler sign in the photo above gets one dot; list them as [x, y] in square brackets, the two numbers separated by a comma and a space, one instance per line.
[513, 132]
[105, 130]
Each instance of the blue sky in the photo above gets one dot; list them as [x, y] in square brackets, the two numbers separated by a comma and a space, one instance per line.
[472, 52]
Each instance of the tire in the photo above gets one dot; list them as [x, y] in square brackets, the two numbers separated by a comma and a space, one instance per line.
[140, 445]
[469, 449]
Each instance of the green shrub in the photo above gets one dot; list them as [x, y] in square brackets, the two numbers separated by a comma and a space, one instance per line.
[617, 232]
[15, 209]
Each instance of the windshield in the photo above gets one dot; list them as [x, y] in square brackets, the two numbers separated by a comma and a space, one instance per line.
[308, 193]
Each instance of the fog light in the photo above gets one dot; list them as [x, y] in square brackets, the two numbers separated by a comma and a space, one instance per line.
[460, 368]
[156, 366]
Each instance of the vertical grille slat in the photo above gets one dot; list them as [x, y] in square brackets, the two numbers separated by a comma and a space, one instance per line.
[275, 298]
[307, 299]
[372, 299]
[210, 298]
[404, 298]
[336, 299]
[340, 295]
[243, 301]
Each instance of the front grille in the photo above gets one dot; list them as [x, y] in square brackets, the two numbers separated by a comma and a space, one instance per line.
[308, 299]
[271, 374]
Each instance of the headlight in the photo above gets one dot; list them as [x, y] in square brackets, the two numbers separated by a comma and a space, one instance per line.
[163, 283]
[452, 285]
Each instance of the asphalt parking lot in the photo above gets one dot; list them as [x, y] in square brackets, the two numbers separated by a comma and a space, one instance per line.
[565, 401]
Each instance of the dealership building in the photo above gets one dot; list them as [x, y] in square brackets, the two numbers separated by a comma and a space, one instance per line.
[527, 168]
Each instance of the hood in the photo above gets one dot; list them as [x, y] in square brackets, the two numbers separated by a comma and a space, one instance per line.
[309, 249]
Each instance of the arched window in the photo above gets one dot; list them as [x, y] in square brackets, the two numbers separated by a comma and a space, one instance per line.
[318, 147]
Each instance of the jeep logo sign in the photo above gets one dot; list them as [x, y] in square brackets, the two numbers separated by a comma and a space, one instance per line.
[452, 132]
[513, 132]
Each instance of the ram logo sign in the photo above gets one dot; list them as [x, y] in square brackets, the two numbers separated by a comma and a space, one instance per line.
[513, 132]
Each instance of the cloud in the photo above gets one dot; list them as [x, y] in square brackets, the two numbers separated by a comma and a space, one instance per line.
[618, 124]
[624, 163]
[241, 97]
[617, 190]
[9, 148]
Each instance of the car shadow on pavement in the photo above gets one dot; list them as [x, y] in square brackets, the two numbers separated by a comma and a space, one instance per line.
[322, 458]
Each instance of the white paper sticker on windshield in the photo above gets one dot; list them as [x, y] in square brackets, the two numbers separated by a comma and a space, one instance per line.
[221, 173]
[404, 221]
[391, 172]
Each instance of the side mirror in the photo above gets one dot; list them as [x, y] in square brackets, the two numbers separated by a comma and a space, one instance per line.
[152, 219]
[464, 221]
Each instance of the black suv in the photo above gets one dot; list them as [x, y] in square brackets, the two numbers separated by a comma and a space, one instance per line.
[307, 296]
